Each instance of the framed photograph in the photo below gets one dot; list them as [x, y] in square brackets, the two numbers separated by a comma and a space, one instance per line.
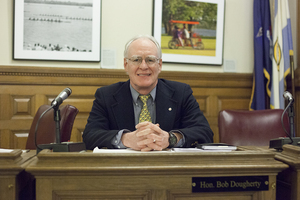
[60, 30]
[190, 31]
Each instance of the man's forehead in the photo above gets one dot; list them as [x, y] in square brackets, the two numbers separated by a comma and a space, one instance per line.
[143, 44]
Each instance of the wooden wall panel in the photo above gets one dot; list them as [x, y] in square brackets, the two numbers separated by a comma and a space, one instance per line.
[24, 89]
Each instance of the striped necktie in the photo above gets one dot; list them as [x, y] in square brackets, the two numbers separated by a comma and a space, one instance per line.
[145, 114]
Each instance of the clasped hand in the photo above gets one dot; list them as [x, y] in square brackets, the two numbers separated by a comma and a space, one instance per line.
[146, 137]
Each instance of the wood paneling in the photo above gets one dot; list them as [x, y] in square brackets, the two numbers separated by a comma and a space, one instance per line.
[24, 89]
[14, 181]
[290, 177]
[161, 175]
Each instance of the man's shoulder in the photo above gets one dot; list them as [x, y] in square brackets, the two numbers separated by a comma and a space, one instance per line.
[173, 84]
[174, 89]
[113, 87]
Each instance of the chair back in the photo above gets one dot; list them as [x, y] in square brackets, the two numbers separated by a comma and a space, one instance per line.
[46, 132]
[251, 128]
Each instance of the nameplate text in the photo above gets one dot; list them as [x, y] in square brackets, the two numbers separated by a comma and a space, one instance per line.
[230, 183]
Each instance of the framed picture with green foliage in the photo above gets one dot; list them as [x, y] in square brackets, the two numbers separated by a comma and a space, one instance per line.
[190, 31]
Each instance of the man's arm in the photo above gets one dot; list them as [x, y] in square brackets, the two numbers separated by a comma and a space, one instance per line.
[97, 132]
[193, 123]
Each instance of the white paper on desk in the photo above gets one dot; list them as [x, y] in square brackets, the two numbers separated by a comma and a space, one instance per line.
[199, 150]
[97, 150]
[5, 150]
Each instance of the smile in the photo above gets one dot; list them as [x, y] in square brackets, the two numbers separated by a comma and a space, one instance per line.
[144, 74]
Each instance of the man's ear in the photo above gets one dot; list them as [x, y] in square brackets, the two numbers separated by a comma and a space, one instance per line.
[125, 64]
[160, 65]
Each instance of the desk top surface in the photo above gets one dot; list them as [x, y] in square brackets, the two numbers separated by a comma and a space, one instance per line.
[245, 161]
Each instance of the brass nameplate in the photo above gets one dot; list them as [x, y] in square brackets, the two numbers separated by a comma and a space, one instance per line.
[230, 183]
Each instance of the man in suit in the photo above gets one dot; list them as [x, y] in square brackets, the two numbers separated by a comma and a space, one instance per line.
[169, 117]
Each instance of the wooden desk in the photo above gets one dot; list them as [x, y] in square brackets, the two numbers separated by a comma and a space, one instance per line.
[150, 175]
[291, 176]
[15, 183]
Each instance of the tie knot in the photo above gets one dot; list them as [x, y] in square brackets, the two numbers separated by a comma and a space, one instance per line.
[144, 98]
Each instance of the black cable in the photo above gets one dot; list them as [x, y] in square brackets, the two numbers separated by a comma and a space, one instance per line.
[36, 128]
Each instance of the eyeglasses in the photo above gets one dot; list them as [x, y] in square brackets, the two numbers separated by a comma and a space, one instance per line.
[150, 60]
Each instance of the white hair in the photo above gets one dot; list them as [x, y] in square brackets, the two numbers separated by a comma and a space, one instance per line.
[151, 38]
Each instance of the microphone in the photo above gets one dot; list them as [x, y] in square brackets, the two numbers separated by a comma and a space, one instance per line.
[279, 142]
[61, 97]
[287, 95]
[58, 146]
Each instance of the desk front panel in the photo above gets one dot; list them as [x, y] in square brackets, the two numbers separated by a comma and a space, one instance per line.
[152, 175]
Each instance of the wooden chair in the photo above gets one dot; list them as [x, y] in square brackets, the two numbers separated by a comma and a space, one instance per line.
[251, 128]
[46, 133]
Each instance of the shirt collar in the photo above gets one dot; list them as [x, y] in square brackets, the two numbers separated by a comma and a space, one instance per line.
[135, 94]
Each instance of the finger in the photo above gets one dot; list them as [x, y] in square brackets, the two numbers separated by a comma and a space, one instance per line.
[142, 124]
[148, 129]
[156, 138]
[155, 146]
[147, 149]
[145, 142]
[152, 143]
[142, 147]
[144, 132]
[156, 129]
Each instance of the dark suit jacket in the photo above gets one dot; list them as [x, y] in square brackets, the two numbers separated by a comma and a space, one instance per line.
[176, 109]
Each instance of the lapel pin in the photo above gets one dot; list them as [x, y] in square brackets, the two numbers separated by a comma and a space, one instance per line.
[170, 109]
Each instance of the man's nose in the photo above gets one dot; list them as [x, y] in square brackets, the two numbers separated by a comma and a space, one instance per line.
[143, 65]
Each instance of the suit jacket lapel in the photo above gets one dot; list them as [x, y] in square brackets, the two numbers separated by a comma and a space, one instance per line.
[166, 107]
[123, 108]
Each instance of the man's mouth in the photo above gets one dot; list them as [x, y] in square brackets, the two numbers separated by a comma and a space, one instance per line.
[144, 74]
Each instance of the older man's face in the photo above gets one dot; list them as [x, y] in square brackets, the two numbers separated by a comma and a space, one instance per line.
[143, 76]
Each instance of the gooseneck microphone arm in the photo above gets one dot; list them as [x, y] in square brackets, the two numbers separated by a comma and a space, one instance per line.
[287, 95]
[291, 118]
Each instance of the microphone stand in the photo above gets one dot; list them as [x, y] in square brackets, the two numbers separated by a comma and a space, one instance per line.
[291, 118]
[277, 143]
[57, 124]
[59, 146]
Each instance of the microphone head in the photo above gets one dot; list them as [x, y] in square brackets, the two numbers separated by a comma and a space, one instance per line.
[288, 95]
[61, 97]
[68, 91]
[65, 93]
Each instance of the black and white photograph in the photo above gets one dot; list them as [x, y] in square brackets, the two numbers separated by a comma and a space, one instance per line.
[60, 30]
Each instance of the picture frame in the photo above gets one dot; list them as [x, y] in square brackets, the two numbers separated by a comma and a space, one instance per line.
[57, 30]
[194, 32]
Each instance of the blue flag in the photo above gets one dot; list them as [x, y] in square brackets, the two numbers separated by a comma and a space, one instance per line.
[262, 73]
[283, 48]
